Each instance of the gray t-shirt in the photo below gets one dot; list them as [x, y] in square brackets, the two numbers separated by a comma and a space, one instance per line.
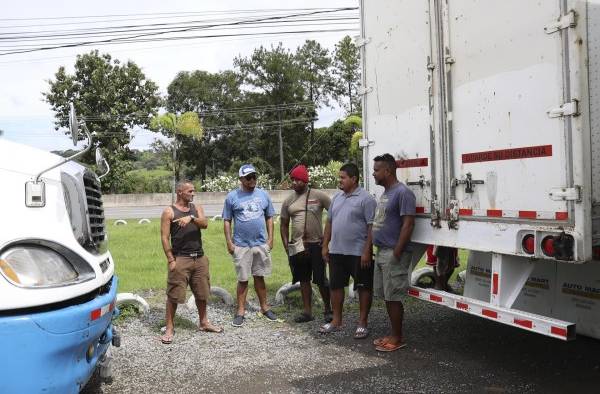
[394, 203]
[350, 215]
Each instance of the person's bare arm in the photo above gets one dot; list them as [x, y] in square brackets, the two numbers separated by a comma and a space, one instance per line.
[228, 237]
[367, 255]
[408, 224]
[201, 221]
[269, 221]
[284, 231]
[165, 235]
[326, 239]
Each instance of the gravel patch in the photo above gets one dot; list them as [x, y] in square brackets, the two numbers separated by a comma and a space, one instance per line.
[447, 351]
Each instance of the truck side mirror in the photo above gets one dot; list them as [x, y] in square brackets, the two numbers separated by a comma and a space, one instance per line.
[101, 163]
[73, 124]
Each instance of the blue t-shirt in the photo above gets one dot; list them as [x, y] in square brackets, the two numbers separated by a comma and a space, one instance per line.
[350, 216]
[248, 211]
[394, 203]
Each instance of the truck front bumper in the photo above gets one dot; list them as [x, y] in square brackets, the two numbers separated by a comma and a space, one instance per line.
[55, 351]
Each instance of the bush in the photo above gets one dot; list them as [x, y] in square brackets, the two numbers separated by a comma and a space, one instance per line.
[226, 183]
[325, 177]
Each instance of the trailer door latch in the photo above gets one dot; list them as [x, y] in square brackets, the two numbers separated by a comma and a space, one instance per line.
[469, 182]
[421, 182]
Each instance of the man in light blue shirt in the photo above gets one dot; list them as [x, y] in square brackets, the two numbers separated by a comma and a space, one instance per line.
[250, 208]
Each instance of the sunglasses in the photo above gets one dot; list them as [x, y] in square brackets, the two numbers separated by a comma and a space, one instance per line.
[250, 177]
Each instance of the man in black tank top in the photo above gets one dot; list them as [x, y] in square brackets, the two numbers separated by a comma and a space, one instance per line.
[181, 239]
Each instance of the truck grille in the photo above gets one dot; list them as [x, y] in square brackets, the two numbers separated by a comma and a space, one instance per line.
[95, 208]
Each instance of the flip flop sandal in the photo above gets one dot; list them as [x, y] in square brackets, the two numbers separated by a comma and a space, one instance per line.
[166, 339]
[328, 328]
[380, 341]
[215, 329]
[390, 347]
[361, 332]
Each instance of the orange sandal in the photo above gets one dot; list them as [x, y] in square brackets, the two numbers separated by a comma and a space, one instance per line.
[389, 347]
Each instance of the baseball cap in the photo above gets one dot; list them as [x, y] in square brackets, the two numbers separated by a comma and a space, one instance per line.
[247, 169]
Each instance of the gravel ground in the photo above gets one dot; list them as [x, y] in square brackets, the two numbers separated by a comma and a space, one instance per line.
[447, 351]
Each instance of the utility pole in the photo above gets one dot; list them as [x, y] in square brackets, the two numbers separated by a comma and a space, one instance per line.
[280, 145]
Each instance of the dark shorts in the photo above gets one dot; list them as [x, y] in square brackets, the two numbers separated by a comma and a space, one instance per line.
[309, 265]
[342, 267]
[189, 270]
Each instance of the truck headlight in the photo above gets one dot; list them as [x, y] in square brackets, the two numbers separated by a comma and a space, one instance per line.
[39, 266]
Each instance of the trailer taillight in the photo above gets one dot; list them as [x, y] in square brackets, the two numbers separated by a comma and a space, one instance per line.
[548, 246]
[528, 243]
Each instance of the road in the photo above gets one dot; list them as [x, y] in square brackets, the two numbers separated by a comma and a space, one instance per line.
[151, 212]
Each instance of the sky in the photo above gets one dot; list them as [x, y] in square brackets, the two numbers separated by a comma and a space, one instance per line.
[24, 115]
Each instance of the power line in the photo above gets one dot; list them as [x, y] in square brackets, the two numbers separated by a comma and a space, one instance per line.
[139, 37]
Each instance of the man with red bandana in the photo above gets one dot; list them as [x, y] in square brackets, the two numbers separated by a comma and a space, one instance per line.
[305, 209]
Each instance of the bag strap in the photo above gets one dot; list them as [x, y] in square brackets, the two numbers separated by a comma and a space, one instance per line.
[305, 213]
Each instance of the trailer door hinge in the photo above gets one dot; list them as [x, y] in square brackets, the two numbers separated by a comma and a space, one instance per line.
[362, 91]
[361, 41]
[363, 143]
[565, 193]
[563, 22]
[567, 109]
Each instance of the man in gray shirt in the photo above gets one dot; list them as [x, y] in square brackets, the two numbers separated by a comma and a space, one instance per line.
[392, 229]
[347, 248]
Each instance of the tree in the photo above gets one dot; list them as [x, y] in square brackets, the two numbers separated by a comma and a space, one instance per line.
[314, 64]
[347, 71]
[212, 97]
[332, 143]
[273, 78]
[112, 98]
[178, 128]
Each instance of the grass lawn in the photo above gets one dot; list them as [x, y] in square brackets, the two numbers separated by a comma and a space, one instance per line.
[141, 264]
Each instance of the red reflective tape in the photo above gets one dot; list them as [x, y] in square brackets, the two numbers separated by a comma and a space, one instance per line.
[465, 212]
[420, 210]
[496, 213]
[412, 292]
[524, 323]
[435, 298]
[418, 162]
[558, 331]
[489, 313]
[96, 314]
[526, 152]
[495, 283]
[528, 214]
[462, 305]
[112, 307]
[561, 215]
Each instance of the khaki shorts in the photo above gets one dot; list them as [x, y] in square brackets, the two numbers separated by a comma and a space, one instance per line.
[252, 260]
[391, 278]
[192, 270]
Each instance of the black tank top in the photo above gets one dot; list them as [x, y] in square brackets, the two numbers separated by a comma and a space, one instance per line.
[185, 240]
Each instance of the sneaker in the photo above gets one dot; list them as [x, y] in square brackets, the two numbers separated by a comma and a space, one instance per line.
[270, 315]
[238, 321]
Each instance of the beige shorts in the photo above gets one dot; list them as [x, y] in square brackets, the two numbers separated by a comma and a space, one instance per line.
[252, 261]
[391, 278]
[189, 270]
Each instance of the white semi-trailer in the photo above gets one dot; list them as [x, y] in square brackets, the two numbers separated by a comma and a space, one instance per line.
[492, 109]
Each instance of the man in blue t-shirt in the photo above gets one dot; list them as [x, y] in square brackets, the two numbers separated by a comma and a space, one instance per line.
[392, 229]
[250, 208]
